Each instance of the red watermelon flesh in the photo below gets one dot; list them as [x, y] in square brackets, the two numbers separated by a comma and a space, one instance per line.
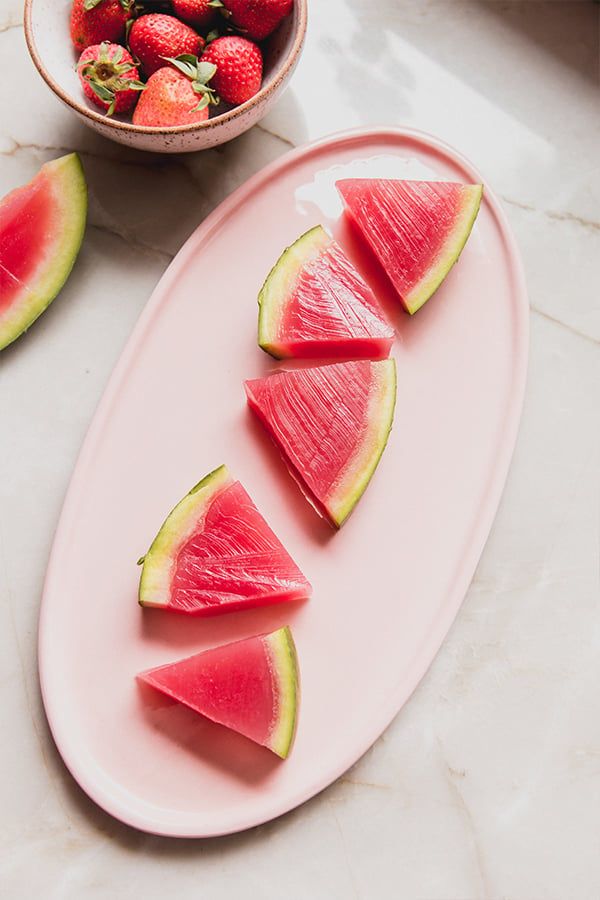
[314, 303]
[216, 554]
[41, 229]
[25, 217]
[250, 686]
[417, 229]
[331, 425]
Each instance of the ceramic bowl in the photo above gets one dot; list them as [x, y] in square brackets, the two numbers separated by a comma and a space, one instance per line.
[47, 34]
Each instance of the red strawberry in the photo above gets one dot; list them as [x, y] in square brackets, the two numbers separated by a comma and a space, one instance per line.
[109, 77]
[155, 36]
[199, 13]
[176, 97]
[239, 68]
[94, 21]
[257, 18]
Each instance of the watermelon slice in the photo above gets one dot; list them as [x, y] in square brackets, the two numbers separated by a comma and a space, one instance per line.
[315, 304]
[216, 554]
[331, 425]
[41, 229]
[251, 686]
[416, 229]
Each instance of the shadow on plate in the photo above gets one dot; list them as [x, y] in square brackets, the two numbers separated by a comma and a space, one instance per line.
[212, 744]
[183, 635]
[285, 486]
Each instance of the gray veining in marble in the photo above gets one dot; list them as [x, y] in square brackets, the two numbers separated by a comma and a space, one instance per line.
[487, 785]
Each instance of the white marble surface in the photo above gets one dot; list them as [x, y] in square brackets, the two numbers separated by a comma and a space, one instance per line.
[487, 785]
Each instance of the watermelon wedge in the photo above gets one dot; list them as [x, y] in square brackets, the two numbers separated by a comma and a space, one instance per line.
[216, 554]
[331, 424]
[41, 229]
[417, 229]
[251, 686]
[315, 304]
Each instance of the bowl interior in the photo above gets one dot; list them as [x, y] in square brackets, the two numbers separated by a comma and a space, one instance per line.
[50, 32]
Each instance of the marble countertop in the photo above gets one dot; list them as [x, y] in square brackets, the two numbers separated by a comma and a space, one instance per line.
[487, 784]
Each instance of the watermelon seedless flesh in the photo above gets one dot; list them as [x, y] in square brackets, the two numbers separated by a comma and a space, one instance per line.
[216, 554]
[315, 304]
[251, 686]
[331, 424]
[417, 229]
[41, 229]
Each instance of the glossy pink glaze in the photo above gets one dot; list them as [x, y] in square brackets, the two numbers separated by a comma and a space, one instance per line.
[411, 546]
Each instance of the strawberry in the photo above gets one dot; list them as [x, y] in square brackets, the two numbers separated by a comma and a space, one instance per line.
[176, 96]
[155, 36]
[257, 18]
[109, 77]
[199, 13]
[94, 21]
[239, 68]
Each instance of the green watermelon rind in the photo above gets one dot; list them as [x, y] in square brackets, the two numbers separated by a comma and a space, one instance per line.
[284, 659]
[359, 470]
[68, 178]
[453, 247]
[180, 524]
[279, 282]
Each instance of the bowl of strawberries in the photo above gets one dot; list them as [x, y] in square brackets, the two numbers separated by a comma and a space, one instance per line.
[168, 76]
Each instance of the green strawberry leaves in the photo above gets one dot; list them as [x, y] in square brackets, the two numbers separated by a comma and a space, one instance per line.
[109, 94]
[186, 63]
[92, 4]
[105, 94]
[199, 74]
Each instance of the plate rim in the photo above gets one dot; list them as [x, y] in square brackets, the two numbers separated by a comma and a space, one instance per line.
[452, 603]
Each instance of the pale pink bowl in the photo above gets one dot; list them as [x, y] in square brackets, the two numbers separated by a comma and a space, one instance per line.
[47, 35]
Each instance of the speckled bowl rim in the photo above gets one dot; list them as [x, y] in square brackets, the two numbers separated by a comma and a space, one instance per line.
[209, 124]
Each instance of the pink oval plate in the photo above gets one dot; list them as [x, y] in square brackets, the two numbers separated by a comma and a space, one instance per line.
[386, 587]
